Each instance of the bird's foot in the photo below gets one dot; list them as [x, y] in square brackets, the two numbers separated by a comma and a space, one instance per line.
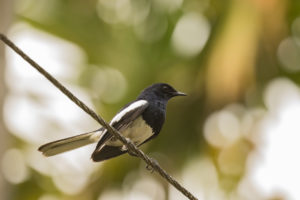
[150, 167]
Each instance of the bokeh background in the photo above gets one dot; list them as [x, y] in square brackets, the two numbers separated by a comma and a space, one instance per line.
[235, 136]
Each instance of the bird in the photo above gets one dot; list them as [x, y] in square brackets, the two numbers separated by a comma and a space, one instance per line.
[140, 121]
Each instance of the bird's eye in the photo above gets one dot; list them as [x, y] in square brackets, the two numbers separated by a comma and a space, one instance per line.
[165, 88]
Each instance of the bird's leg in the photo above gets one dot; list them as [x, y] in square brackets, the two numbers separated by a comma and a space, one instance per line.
[124, 148]
[132, 153]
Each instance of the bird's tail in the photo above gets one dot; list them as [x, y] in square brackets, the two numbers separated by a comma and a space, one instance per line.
[70, 143]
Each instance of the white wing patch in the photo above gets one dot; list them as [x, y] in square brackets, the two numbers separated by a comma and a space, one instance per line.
[133, 106]
[137, 132]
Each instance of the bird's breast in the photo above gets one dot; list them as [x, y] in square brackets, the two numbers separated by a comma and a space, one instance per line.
[155, 117]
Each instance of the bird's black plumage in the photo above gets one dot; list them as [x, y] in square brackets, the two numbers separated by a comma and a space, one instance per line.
[150, 112]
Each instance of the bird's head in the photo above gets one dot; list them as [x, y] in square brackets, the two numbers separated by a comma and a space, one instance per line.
[160, 90]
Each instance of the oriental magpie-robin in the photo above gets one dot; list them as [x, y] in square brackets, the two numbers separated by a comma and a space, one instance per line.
[140, 121]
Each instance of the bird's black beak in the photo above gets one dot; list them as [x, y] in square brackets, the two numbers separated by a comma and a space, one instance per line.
[179, 94]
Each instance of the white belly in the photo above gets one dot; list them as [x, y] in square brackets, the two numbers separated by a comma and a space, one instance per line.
[137, 132]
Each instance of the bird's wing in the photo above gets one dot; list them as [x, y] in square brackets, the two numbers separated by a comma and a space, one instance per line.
[128, 114]
[122, 120]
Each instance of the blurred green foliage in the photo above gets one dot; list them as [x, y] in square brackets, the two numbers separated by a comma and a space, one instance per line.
[222, 73]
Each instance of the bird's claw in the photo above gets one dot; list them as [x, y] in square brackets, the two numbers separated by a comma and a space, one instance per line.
[150, 167]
